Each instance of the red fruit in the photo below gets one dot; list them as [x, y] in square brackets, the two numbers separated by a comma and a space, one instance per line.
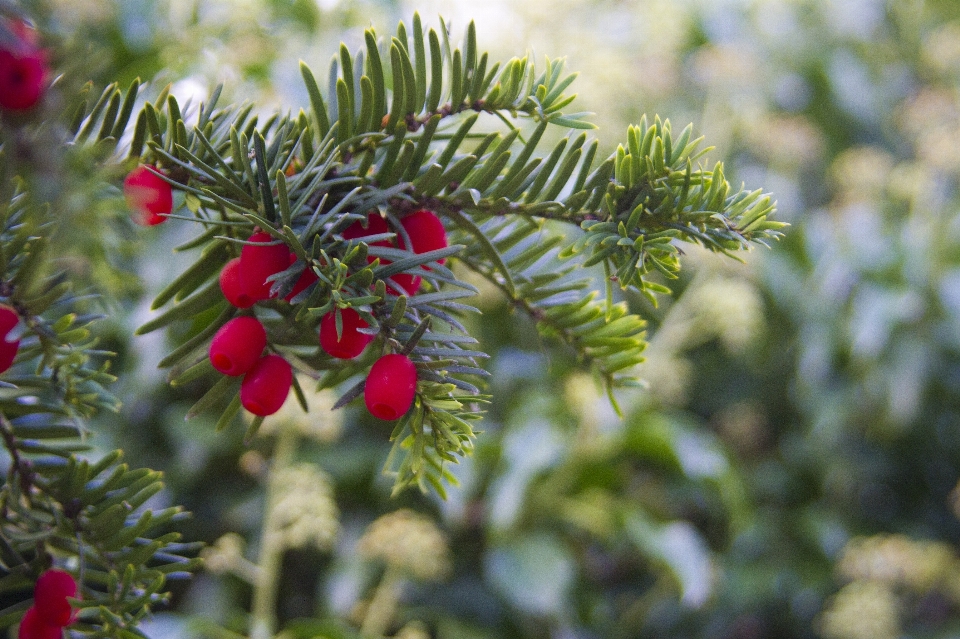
[409, 283]
[306, 278]
[50, 597]
[391, 386]
[23, 69]
[33, 626]
[375, 226]
[260, 260]
[8, 348]
[237, 346]
[426, 232]
[265, 387]
[232, 287]
[351, 342]
[149, 197]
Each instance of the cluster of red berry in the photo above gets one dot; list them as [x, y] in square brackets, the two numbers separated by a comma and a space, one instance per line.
[392, 381]
[425, 231]
[23, 67]
[8, 347]
[243, 279]
[51, 611]
[237, 347]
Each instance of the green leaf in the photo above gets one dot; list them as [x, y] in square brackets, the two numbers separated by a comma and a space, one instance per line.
[263, 180]
[436, 74]
[375, 71]
[210, 262]
[126, 111]
[490, 251]
[345, 128]
[316, 100]
[95, 114]
[225, 386]
[200, 301]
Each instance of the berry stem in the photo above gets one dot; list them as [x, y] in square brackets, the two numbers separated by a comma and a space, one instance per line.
[264, 606]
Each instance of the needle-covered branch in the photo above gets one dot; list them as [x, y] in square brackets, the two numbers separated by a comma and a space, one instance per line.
[405, 128]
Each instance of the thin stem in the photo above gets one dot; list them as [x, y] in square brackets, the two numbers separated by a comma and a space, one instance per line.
[247, 570]
[538, 315]
[500, 207]
[18, 465]
[264, 616]
[383, 605]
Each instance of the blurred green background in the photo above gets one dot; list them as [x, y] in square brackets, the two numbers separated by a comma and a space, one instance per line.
[791, 470]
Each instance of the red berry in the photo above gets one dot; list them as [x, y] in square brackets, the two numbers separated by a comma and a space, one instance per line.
[390, 387]
[50, 597]
[306, 278]
[409, 283]
[265, 387]
[426, 232]
[237, 345]
[351, 342]
[33, 626]
[375, 226]
[23, 69]
[232, 287]
[149, 197]
[260, 260]
[8, 348]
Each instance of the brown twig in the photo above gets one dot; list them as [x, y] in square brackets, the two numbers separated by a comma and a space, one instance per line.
[20, 466]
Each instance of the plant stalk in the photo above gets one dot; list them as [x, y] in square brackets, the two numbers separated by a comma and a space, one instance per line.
[383, 605]
[264, 607]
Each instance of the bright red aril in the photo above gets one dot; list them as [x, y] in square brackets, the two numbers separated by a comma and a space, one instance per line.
[232, 287]
[23, 69]
[148, 195]
[390, 387]
[409, 283]
[33, 626]
[265, 387]
[8, 347]
[426, 232]
[375, 226]
[306, 278]
[237, 346]
[351, 342]
[259, 259]
[50, 597]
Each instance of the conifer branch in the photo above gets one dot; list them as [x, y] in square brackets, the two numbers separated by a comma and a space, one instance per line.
[55, 502]
[397, 133]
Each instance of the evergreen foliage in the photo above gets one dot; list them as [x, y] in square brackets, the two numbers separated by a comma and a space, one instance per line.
[54, 502]
[414, 134]
[408, 123]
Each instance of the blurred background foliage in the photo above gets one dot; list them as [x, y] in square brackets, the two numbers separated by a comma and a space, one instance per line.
[792, 468]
